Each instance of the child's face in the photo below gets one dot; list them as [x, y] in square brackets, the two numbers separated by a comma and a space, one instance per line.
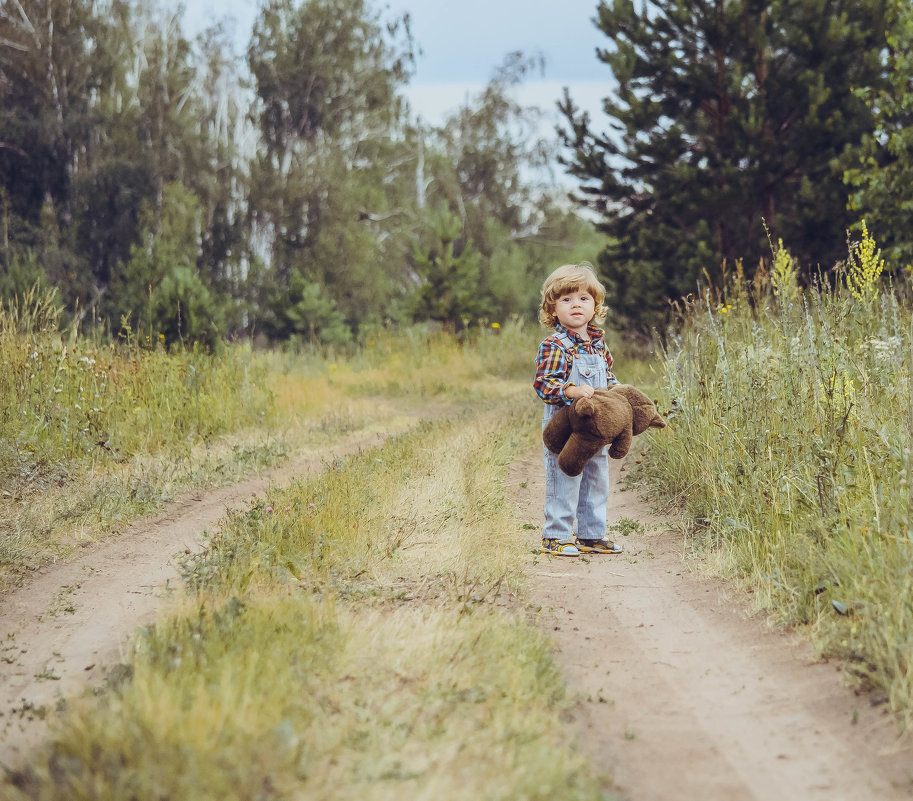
[575, 309]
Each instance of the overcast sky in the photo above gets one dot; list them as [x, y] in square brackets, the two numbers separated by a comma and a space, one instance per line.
[463, 41]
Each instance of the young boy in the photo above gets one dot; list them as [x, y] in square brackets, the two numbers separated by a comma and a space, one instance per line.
[572, 363]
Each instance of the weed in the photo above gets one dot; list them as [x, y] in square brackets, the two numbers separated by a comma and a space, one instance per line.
[864, 267]
[792, 451]
[47, 674]
[627, 526]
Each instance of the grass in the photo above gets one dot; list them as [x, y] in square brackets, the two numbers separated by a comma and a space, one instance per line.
[326, 702]
[790, 446]
[71, 403]
[95, 435]
[358, 634]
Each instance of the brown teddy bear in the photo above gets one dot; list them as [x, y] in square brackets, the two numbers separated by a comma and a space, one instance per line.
[610, 417]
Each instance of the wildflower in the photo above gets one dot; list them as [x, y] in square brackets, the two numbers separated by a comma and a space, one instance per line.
[865, 267]
[783, 273]
[885, 349]
[496, 325]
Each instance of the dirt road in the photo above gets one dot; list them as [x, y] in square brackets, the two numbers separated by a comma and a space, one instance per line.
[66, 630]
[682, 696]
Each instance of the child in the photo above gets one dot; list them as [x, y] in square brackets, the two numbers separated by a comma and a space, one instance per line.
[572, 363]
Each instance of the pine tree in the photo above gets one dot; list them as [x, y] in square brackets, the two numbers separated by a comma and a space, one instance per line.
[728, 115]
[882, 174]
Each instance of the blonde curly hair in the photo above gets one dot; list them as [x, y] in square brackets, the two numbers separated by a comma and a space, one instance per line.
[571, 278]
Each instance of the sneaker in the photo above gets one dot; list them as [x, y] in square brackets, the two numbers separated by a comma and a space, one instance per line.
[559, 548]
[605, 545]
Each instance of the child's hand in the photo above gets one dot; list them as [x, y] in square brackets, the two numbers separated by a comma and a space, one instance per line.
[583, 391]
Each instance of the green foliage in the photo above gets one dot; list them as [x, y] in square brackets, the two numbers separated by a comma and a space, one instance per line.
[332, 163]
[22, 272]
[484, 162]
[160, 288]
[183, 310]
[72, 404]
[49, 61]
[138, 178]
[880, 176]
[309, 312]
[722, 117]
[449, 276]
[320, 65]
[790, 444]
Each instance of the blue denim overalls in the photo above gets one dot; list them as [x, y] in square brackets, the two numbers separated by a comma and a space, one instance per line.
[587, 495]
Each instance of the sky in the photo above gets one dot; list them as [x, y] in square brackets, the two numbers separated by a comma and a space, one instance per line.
[462, 42]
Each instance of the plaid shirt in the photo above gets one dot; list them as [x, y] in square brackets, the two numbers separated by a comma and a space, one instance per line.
[553, 364]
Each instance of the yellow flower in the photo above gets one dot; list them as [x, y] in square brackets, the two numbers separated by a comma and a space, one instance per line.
[784, 272]
[865, 266]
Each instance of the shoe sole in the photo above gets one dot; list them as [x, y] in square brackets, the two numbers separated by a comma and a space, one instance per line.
[558, 553]
[584, 549]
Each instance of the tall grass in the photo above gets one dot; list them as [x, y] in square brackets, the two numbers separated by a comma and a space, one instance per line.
[68, 403]
[419, 364]
[791, 447]
[353, 635]
[93, 435]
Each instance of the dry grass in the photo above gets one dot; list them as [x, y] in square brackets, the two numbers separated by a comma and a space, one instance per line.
[306, 697]
[359, 634]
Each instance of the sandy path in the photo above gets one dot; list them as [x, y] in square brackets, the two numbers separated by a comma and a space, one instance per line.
[69, 626]
[685, 697]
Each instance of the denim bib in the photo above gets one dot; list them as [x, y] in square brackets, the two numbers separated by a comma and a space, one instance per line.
[586, 368]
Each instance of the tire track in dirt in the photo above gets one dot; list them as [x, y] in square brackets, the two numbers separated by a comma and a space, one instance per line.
[71, 624]
[682, 695]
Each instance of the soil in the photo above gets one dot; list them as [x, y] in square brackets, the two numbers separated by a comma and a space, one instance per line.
[68, 629]
[680, 694]
[683, 695]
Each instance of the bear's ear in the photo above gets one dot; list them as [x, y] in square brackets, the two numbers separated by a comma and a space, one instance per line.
[585, 407]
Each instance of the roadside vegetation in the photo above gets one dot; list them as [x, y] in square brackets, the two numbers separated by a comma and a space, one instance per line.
[97, 434]
[791, 450]
[359, 633]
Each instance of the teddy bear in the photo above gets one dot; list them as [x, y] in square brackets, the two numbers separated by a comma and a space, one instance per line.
[610, 417]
